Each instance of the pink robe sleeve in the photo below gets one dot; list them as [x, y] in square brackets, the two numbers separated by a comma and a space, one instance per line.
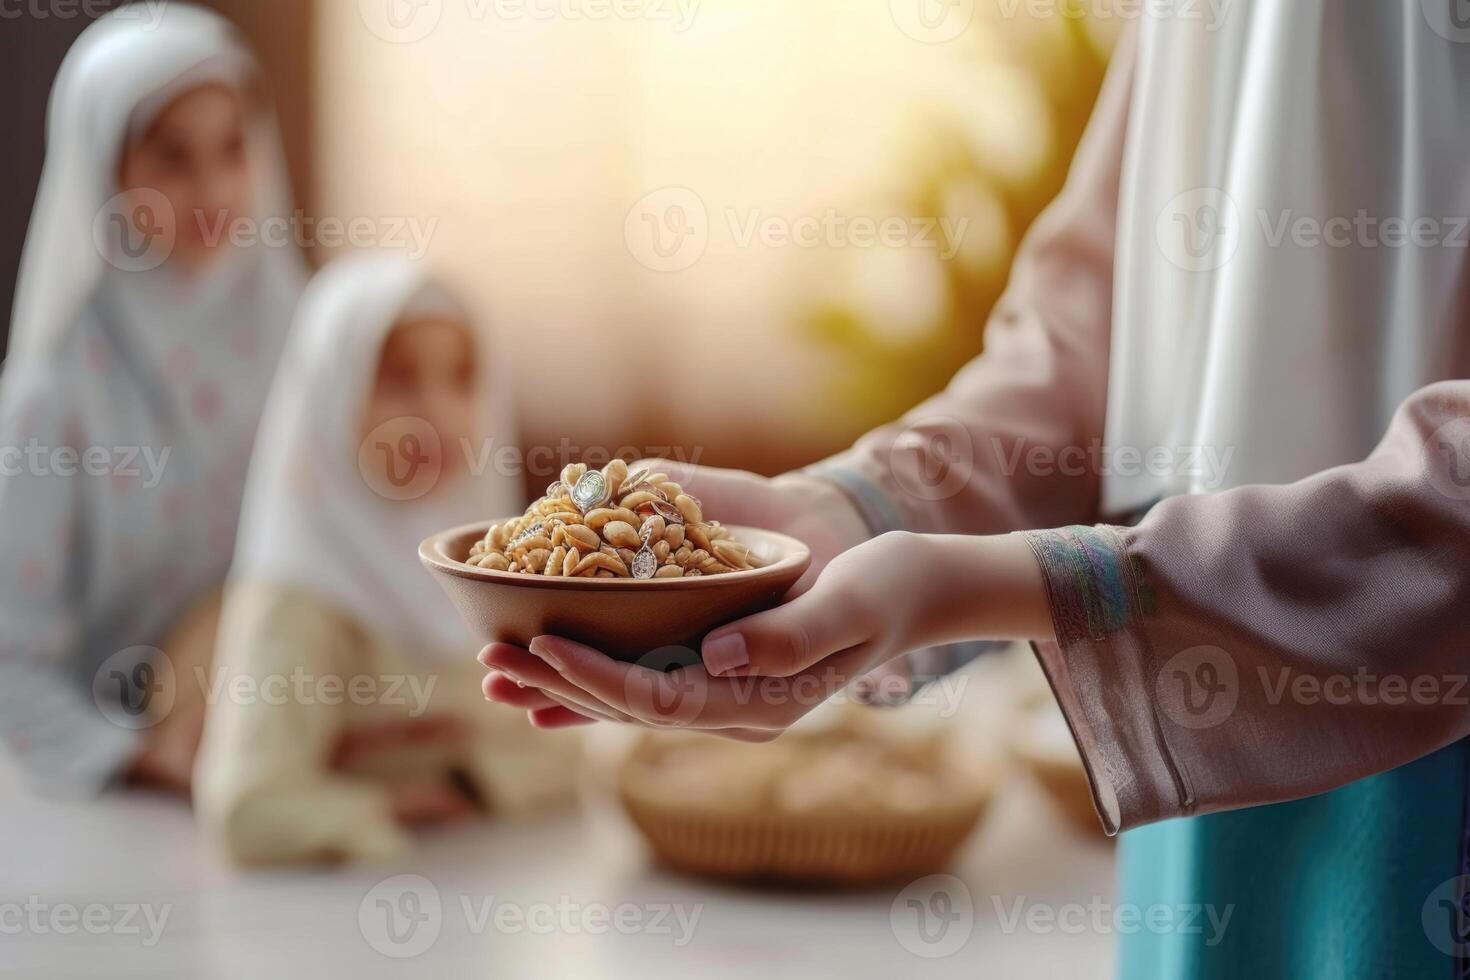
[952, 464]
[1271, 642]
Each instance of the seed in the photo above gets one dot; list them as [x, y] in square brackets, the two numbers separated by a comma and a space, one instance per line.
[573, 472]
[690, 508]
[597, 519]
[632, 500]
[621, 533]
[669, 571]
[535, 560]
[661, 551]
[674, 535]
[670, 489]
[732, 553]
[602, 560]
[555, 562]
[616, 471]
[569, 563]
[495, 561]
[696, 534]
[652, 529]
[584, 537]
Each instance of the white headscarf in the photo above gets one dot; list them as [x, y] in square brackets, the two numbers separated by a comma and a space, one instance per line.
[314, 519]
[161, 373]
[1286, 355]
[114, 81]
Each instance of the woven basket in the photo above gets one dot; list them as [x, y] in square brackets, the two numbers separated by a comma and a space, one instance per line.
[849, 847]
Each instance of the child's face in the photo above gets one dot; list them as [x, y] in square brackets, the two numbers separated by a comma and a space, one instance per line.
[194, 154]
[427, 371]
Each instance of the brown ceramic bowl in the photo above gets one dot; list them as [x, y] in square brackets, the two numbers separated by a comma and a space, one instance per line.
[657, 622]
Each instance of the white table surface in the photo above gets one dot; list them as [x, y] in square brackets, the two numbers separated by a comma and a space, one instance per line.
[139, 851]
[1038, 893]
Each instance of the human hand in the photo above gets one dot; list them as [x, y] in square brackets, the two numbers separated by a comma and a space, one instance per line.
[430, 799]
[166, 759]
[871, 604]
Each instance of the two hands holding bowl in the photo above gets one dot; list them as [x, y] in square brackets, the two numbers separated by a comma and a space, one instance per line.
[850, 616]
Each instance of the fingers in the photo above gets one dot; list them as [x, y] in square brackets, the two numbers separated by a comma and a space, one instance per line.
[533, 672]
[690, 697]
[504, 689]
[559, 717]
[789, 639]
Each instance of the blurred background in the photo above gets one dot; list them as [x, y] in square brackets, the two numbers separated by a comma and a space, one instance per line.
[849, 181]
[742, 232]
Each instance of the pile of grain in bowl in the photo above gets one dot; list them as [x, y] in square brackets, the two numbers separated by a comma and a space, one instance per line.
[610, 523]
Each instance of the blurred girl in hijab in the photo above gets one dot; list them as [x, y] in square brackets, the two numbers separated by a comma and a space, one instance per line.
[141, 347]
[386, 397]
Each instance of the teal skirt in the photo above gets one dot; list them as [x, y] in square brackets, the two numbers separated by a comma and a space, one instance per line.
[1361, 883]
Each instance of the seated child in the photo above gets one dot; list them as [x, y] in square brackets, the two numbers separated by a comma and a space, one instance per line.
[343, 707]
